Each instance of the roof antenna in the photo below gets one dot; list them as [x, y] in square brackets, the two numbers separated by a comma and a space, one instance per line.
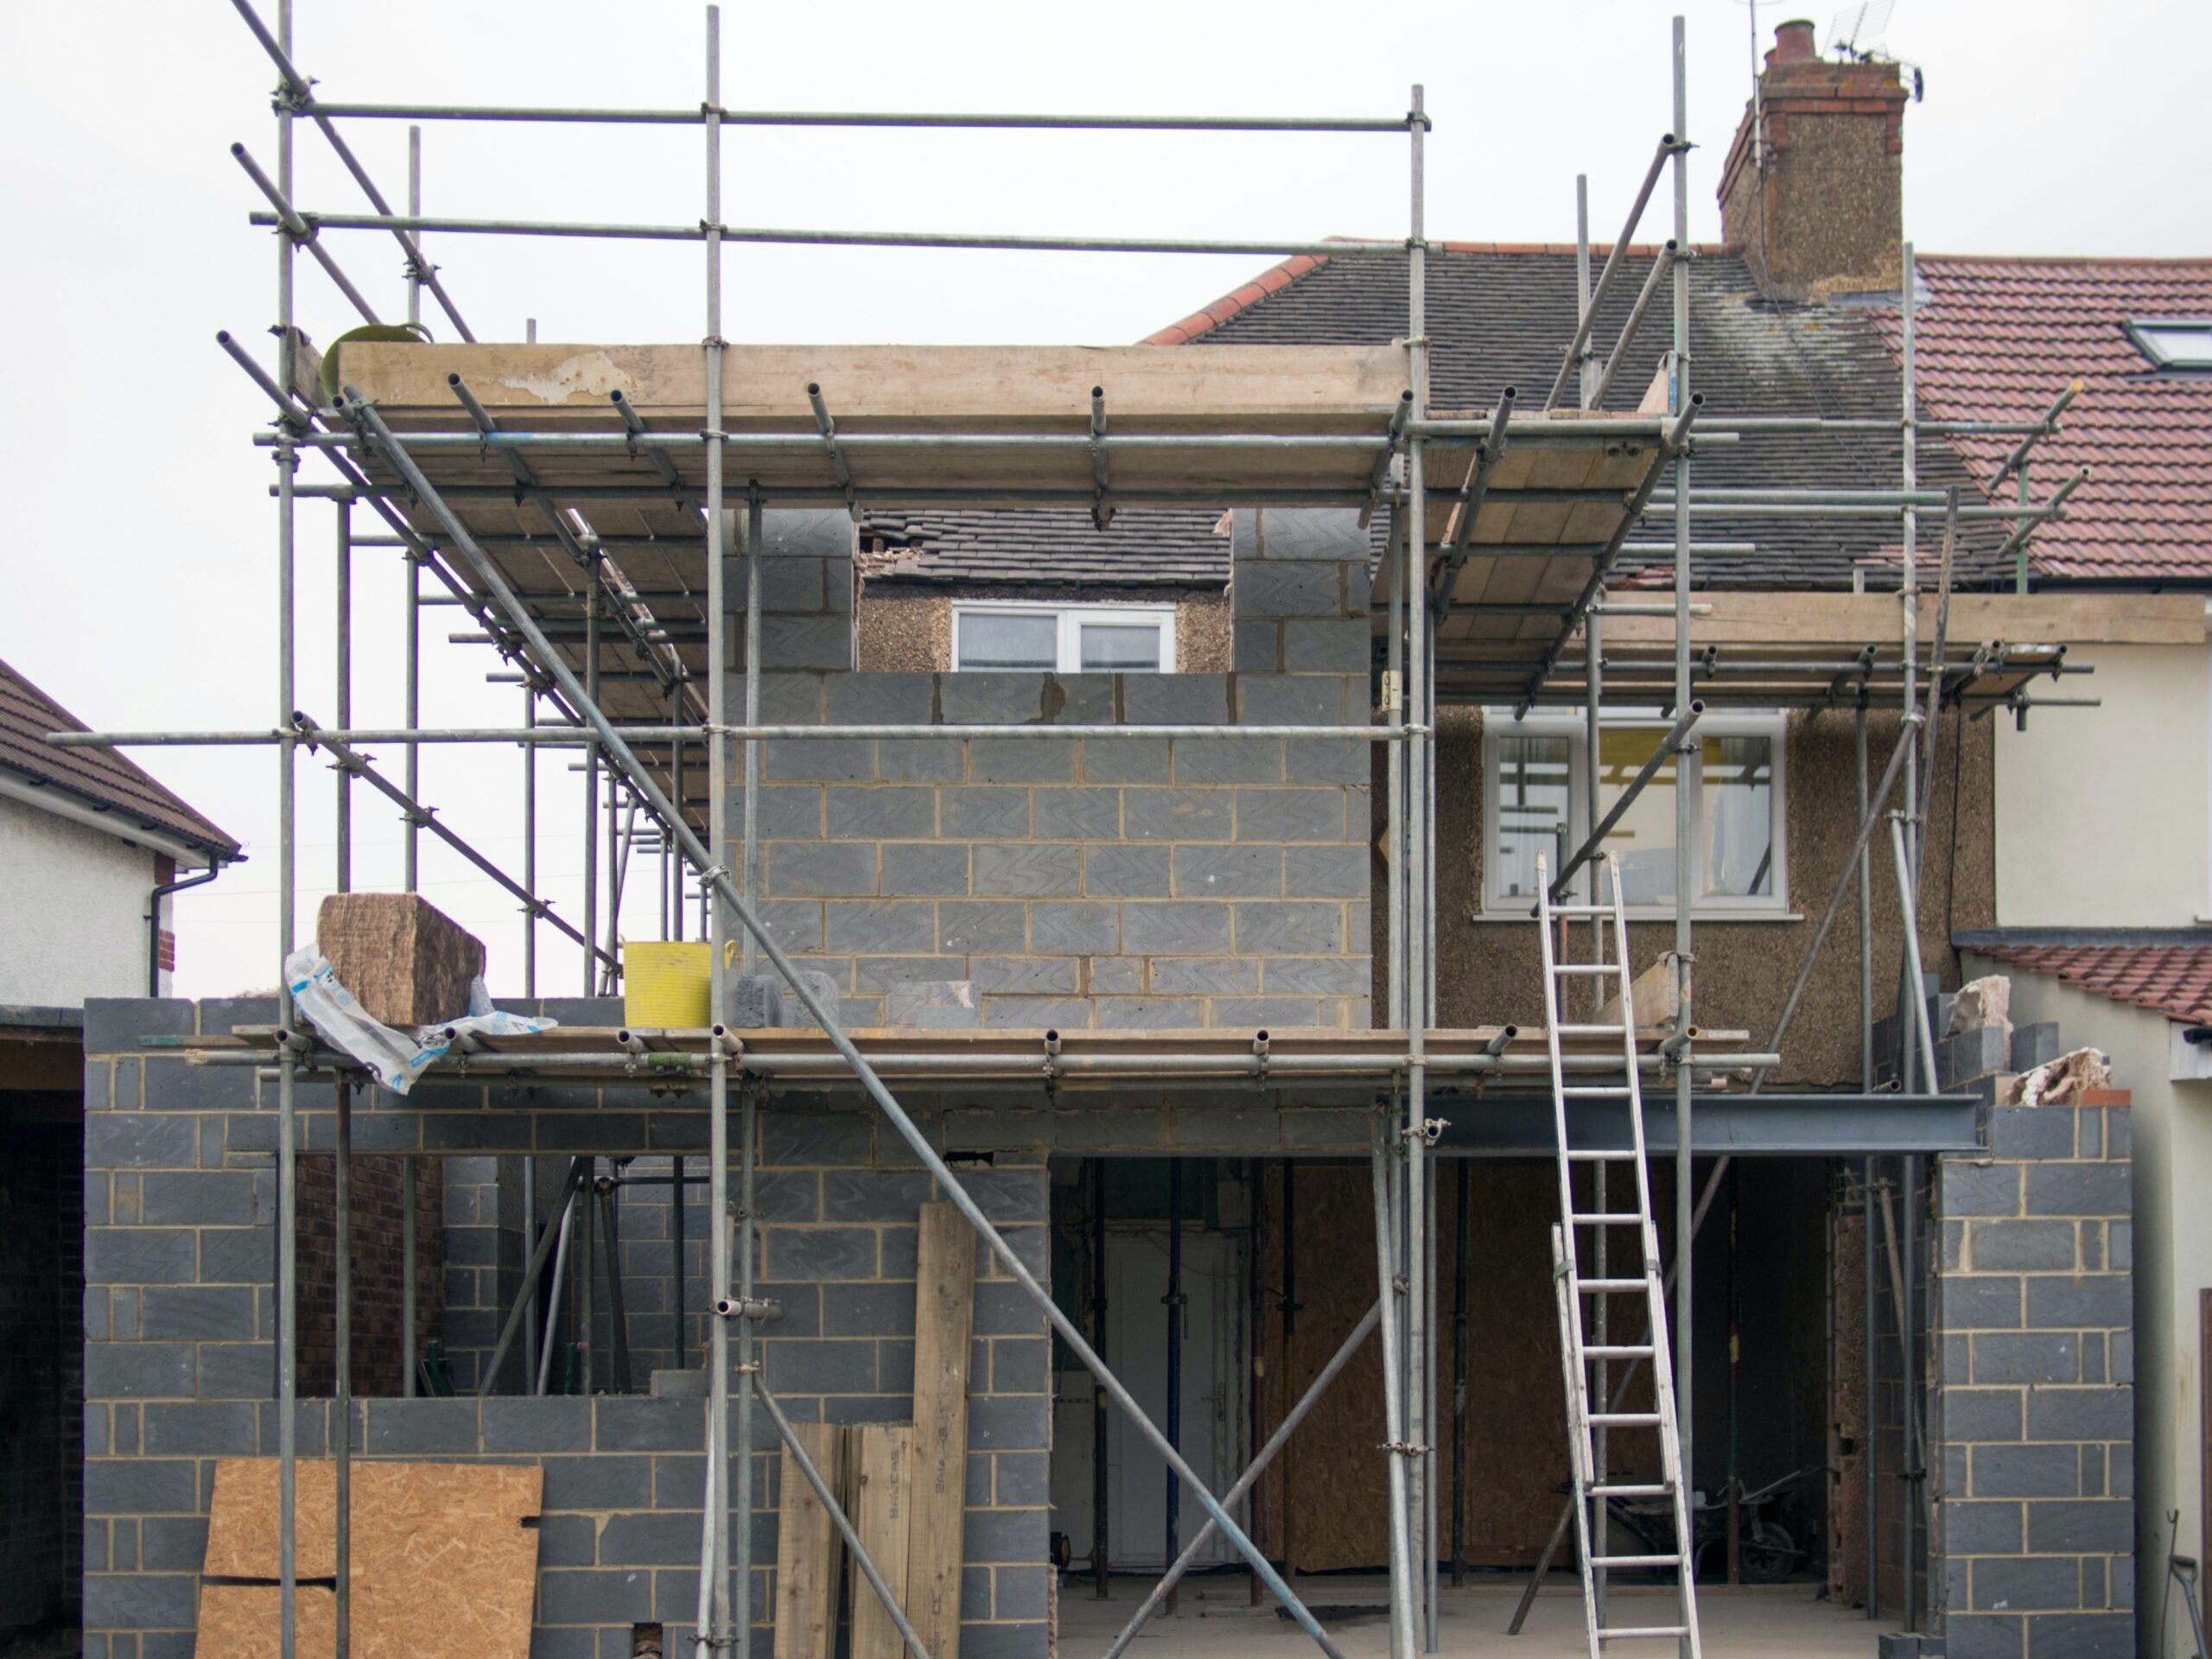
[1856, 33]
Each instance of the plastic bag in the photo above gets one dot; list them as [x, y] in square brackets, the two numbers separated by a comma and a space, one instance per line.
[392, 1057]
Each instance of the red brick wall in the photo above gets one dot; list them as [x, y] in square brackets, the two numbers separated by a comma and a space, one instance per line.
[376, 1257]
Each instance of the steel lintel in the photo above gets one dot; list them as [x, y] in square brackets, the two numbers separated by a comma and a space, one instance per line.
[1754, 1126]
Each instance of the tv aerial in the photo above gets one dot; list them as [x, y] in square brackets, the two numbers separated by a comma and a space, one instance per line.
[1856, 34]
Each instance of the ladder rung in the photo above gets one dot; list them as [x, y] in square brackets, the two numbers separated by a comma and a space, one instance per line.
[1596, 1091]
[1626, 1419]
[1608, 1284]
[1617, 1351]
[1636, 1561]
[1581, 910]
[1588, 1030]
[1592, 968]
[1609, 1218]
[1644, 1632]
[1632, 1489]
[1580, 1155]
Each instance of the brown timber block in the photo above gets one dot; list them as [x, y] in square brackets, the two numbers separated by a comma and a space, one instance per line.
[406, 962]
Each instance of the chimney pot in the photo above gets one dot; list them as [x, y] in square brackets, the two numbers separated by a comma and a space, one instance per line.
[1794, 42]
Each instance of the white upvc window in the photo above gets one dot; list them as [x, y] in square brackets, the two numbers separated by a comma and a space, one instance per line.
[1533, 802]
[1014, 635]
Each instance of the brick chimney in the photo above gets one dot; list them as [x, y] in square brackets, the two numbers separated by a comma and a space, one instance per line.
[1825, 214]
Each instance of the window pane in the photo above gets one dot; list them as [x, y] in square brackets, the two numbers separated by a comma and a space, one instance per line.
[1644, 837]
[996, 640]
[1533, 809]
[2178, 345]
[1740, 816]
[1123, 647]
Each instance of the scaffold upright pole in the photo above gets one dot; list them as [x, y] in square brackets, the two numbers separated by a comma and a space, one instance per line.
[1685, 828]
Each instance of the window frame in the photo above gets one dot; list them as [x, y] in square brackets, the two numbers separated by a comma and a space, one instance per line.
[1500, 724]
[2138, 335]
[1068, 641]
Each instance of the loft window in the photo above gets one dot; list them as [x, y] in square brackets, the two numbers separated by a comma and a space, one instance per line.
[1533, 803]
[1011, 636]
[2173, 342]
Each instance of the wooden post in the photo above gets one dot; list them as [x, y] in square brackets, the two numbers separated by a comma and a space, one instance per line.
[808, 1554]
[944, 1310]
[882, 1461]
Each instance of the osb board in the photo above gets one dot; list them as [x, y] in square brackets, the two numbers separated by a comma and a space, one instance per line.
[809, 1557]
[244, 1621]
[880, 1459]
[442, 1561]
[1337, 1479]
[1000, 388]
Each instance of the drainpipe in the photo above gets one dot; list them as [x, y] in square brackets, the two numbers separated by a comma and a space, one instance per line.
[162, 891]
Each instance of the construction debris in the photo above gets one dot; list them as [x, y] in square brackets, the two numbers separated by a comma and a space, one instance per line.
[407, 963]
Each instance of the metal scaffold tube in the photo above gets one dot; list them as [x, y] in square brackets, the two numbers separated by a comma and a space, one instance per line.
[1679, 401]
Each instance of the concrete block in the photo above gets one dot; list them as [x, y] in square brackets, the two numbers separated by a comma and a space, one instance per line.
[1314, 646]
[1260, 589]
[138, 1370]
[984, 814]
[2103, 1301]
[814, 869]
[142, 1141]
[1204, 976]
[885, 927]
[2082, 1636]
[1210, 872]
[942, 1005]
[1341, 872]
[635, 1423]
[1971, 1414]
[1175, 699]
[1301, 700]
[823, 1253]
[787, 699]
[1980, 1301]
[1004, 1422]
[979, 927]
[1125, 760]
[991, 699]
[2079, 1190]
[870, 1310]
[142, 1601]
[2022, 1246]
[1072, 927]
[824, 989]
[924, 869]
[1177, 813]
[201, 1428]
[1026, 869]
[1282, 1012]
[2031, 1132]
[824, 760]
[800, 1366]
[2037, 1357]
[1082, 699]
[886, 813]
[594, 1596]
[920, 760]
[876, 699]
[1117, 976]
[1973, 1053]
[881, 973]
[1968, 1187]
[822, 642]
[1217, 761]
[1328, 761]
[1124, 872]
[1290, 815]
[2012, 1584]
[1982, 1636]
[1026, 976]
[805, 532]
[2034, 1044]
[1148, 1012]
[1299, 533]
[1289, 929]
[814, 1138]
[1078, 814]
[1021, 759]
[197, 1313]
[1037, 1012]
[649, 1539]
[788, 1196]
[530, 1424]
[1257, 645]
[600, 1483]
[2081, 1526]
[113, 1024]
[1318, 975]
[1181, 927]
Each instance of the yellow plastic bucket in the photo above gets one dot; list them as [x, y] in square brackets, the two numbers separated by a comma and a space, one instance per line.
[664, 982]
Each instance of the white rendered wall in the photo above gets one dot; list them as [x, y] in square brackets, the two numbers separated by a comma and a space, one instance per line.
[72, 909]
[2104, 816]
[2173, 1262]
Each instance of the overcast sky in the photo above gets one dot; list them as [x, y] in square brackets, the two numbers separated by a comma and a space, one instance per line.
[143, 591]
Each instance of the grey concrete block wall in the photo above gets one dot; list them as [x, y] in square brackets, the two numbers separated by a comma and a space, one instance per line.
[2032, 1426]
[1075, 881]
[180, 1316]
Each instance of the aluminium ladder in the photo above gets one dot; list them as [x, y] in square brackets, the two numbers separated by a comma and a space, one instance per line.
[1628, 1228]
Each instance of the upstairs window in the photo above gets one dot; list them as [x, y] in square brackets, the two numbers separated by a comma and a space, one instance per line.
[1012, 636]
[2173, 342]
[1534, 803]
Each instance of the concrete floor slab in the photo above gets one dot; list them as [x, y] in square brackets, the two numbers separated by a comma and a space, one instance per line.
[1216, 1621]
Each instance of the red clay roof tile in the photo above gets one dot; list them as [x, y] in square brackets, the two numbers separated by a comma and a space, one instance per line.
[2171, 979]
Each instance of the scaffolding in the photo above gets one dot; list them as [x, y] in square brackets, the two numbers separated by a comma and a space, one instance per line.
[610, 632]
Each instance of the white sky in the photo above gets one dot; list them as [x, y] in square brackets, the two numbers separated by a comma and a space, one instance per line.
[144, 558]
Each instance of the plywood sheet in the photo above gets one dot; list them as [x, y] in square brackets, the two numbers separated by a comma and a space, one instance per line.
[944, 1311]
[808, 1551]
[442, 1563]
[880, 1457]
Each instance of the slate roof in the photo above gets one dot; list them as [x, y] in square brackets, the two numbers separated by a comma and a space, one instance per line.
[101, 779]
[1502, 315]
[1997, 340]
[1144, 547]
[2175, 980]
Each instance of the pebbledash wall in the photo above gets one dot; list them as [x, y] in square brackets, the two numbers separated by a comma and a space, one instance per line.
[1112, 883]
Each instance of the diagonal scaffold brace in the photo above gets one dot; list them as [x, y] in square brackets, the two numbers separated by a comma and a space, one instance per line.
[373, 430]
